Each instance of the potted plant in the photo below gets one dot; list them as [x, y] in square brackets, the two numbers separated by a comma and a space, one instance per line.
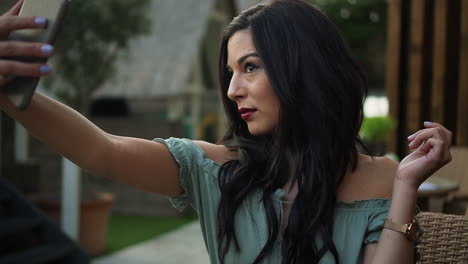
[375, 131]
[94, 217]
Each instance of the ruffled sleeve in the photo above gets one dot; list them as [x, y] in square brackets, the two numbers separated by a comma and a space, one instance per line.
[197, 173]
[375, 226]
[358, 224]
[376, 223]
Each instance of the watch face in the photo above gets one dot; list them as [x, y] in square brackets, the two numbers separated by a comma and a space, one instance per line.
[414, 232]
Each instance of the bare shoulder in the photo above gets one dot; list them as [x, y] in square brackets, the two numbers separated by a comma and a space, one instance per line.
[372, 179]
[218, 153]
[385, 167]
[380, 173]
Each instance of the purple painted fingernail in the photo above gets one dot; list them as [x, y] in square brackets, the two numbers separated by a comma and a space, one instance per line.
[40, 20]
[45, 69]
[427, 122]
[47, 49]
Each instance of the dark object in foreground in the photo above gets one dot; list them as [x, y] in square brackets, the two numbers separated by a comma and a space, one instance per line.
[28, 236]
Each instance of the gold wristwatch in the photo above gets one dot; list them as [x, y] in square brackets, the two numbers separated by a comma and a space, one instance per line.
[411, 230]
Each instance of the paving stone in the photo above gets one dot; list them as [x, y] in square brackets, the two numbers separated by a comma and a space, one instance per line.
[184, 245]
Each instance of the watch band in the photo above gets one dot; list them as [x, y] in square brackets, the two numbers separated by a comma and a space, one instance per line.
[410, 230]
[402, 228]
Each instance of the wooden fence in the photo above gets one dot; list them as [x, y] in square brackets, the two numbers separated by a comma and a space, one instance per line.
[427, 67]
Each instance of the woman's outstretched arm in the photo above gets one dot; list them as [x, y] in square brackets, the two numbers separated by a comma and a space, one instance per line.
[141, 163]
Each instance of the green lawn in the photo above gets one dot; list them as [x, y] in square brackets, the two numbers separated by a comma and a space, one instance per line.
[127, 230]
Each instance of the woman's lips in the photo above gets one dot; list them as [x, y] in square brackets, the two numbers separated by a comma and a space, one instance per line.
[246, 112]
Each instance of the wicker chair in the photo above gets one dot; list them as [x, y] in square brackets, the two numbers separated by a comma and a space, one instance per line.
[445, 238]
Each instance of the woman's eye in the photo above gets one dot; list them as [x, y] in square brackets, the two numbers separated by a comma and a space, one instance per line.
[250, 67]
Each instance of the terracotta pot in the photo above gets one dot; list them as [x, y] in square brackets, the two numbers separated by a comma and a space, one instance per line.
[94, 218]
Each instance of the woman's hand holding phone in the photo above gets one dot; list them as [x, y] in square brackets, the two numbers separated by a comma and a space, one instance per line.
[9, 67]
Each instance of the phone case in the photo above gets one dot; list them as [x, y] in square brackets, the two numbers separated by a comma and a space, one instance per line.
[21, 89]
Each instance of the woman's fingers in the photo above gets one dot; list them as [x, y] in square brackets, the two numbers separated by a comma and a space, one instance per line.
[423, 135]
[435, 140]
[15, 9]
[441, 130]
[16, 68]
[11, 23]
[437, 151]
[447, 132]
[9, 65]
[25, 49]
[413, 136]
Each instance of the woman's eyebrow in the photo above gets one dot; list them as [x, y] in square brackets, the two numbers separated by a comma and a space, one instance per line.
[242, 59]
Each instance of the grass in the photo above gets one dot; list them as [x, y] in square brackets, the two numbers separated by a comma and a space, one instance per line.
[127, 230]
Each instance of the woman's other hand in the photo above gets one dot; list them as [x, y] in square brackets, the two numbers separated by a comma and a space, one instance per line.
[9, 67]
[431, 147]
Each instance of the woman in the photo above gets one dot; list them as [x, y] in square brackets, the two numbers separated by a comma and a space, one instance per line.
[286, 184]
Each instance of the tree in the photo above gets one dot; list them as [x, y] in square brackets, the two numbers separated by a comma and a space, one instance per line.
[94, 35]
[232, 9]
[363, 25]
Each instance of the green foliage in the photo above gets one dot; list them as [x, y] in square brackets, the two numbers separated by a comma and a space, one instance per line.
[128, 230]
[359, 20]
[363, 25]
[94, 35]
[376, 129]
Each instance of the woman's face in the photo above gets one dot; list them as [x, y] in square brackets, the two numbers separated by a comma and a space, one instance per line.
[250, 88]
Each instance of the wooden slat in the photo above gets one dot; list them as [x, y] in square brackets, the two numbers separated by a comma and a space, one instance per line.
[440, 61]
[416, 43]
[462, 113]
[392, 77]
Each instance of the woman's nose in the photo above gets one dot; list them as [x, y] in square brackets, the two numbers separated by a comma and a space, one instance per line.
[236, 89]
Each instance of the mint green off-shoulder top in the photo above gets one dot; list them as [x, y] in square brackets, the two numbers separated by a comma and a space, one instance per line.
[356, 224]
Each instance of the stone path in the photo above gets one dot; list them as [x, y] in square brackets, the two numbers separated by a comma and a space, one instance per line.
[184, 245]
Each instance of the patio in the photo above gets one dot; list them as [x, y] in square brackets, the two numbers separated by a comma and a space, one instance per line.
[184, 245]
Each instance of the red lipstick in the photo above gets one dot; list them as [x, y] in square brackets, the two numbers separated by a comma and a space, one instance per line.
[246, 112]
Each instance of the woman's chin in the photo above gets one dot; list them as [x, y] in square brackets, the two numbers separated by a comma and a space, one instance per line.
[258, 131]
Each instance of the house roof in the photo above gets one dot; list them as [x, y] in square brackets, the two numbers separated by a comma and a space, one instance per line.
[161, 63]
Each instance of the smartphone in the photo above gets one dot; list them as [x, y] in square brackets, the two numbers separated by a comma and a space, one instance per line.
[20, 90]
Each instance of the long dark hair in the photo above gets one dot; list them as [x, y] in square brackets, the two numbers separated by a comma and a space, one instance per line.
[321, 90]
